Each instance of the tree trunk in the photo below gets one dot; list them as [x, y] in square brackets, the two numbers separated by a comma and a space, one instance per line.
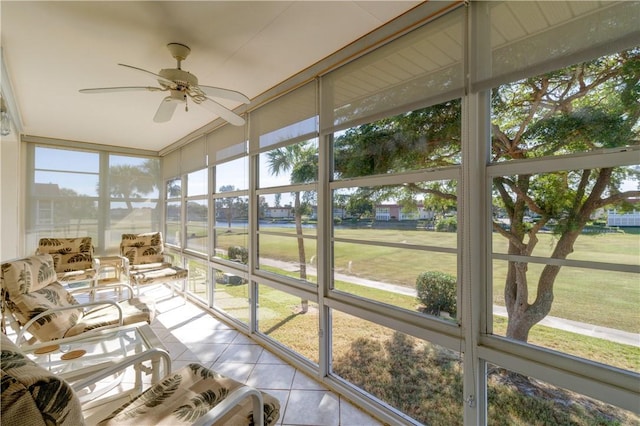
[302, 258]
[522, 315]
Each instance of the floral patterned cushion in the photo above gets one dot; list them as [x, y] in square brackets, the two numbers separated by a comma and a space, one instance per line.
[142, 248]
[72, 257]
[184, 396]
[166, 274]
[134, 310]
[29, 287]
[33, 396]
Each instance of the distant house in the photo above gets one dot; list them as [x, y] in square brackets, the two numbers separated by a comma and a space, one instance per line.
[278, 212]
[385, 212]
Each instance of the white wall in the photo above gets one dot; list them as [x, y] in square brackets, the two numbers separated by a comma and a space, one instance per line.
[11, 223]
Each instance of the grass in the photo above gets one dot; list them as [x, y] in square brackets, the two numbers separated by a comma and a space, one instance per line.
[603, 298]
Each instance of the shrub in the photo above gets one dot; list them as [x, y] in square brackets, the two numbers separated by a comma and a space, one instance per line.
[239, 254]
[437, 292]
[447, 224]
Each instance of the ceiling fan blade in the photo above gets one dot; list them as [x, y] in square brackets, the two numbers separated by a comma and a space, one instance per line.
[165, 110]
[223, 112]
[150, 74]
[120, 89]
[218, 92]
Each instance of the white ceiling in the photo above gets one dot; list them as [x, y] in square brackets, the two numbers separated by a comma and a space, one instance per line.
[52, 49]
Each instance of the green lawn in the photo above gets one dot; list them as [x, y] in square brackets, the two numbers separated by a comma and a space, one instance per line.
[596, 297]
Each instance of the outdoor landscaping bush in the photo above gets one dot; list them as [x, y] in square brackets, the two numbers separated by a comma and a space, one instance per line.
[447, 224]
[437, 292]
[238, 253]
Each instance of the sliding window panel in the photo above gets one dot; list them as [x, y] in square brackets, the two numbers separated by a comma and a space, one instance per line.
[291, 164]
[288, 255]
[397, 276]
[290, 320]
[232, 175]
[231, 294]
[197, 238]
[594, 314]
[414, 377]
[198, 284]
[292, 212]
[173, 223]
[231, 228]
[516, 399]
[398, 246]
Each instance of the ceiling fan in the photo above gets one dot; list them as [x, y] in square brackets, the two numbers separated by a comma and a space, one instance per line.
[182, 85]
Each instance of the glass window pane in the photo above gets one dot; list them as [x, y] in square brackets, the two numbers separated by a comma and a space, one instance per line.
[393, 213]
[65, 217]
[288, 255]
[551, 209]
[390, 274]
[515, 399]
[232, 212]
[231, 228]
[584, 107]
[413, 376]
[232, 175]
[580, 321]
[280, 317]
[134, 217]
[231, 295]
[66, 184]
[197, 283]
[174, 188]
[291, 164]
[420, 139]
[66, 160]
[288, 212]
[133, 177]
[197, 225]
[173, 224]
[67, 189]
[197, 183]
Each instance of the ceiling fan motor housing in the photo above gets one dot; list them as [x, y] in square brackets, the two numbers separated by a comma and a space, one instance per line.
[182, 79]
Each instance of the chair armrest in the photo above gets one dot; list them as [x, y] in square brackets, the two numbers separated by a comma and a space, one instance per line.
[118, 365]
[232, 400]
[104, 287]
[48, 312]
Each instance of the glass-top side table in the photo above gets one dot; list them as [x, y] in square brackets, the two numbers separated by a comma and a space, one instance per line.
[74, 358]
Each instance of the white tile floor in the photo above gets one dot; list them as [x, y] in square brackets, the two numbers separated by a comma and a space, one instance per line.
[191, 334]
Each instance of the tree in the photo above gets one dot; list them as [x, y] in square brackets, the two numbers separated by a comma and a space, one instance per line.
[302, 161]
[592, 105]
[587, 106]
[129, 182]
